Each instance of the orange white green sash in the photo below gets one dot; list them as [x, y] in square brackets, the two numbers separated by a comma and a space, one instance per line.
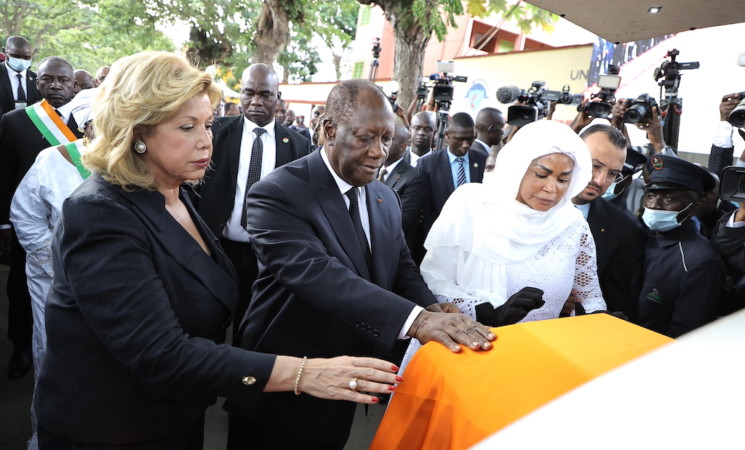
[49, 123]
[73, 149]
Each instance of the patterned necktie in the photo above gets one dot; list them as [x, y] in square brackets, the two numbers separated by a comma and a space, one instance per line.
[382, 175]
[461, 172]
[354, 212]
[21, 92]
[254, 170]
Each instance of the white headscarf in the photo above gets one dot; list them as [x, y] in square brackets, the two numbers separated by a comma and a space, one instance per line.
[487, 220]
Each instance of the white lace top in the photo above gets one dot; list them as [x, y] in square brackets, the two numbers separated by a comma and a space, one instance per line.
[566, 262]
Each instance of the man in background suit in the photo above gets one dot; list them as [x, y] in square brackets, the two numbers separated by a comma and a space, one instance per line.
[444, 171]
[410, 187]
[17, 82]
[20, 143]
[336, 275]
[239, 160]
[489, 130]
[619, 239]
[423, 127]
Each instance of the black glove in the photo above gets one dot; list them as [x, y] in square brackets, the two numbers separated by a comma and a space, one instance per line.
[514, 309]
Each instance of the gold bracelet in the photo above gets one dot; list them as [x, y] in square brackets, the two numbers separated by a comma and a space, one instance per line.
[299, 374]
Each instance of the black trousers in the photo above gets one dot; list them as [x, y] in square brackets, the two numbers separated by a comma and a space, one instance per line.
[190, 438]
[246, 266]
[20, 320]
[245, 434]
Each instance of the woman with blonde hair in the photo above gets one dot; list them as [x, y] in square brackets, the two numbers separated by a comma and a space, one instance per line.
[142, 291]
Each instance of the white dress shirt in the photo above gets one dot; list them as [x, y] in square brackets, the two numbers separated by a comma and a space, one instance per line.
[233, 229]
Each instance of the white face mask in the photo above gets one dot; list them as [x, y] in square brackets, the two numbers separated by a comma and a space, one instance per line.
[661, 220]
[18, 64]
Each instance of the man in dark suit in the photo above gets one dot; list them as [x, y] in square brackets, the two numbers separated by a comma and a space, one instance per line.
[489, 130]
[336, 275]
[444, 171]
[619, 239]
[20, 142]
[17, 82]
[410, 187]
[423, 127]
[239, 160]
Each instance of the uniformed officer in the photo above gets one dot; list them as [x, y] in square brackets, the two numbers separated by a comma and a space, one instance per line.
[684, 273]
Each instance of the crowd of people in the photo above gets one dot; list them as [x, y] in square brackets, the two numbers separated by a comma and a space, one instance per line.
[144, 218]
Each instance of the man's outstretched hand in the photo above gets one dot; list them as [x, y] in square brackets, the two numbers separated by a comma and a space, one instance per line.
[451, 329]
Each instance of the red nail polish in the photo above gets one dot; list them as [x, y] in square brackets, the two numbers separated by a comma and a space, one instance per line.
[394, 368]
[391, 388]
[375, 399]
[399, 379]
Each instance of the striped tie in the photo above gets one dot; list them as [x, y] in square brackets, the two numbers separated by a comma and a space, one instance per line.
[461, 172]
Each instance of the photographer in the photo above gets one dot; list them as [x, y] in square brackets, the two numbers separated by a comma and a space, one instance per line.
[729, 239]
[651, 124]
[722, 149]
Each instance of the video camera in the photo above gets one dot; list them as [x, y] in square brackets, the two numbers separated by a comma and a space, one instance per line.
[732, 187]
[640, 109]
[669, 71]
[534, 101]
[602, 108]
[737, 116]
[442, 91]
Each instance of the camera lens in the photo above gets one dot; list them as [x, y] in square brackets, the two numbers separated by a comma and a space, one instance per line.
[737, 116]
[599, 109]
[635, 114]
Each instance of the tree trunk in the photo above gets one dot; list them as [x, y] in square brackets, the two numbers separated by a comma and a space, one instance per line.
[411, 41]
[272, 33]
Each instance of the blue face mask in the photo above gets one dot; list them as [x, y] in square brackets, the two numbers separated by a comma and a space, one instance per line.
[18, 64]
[610, 193]
[661, 220]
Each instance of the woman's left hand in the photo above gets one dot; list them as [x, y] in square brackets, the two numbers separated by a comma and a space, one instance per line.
[570, 304]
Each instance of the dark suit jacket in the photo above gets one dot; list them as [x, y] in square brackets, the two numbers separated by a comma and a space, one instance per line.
[217, 193]
[719, 158]
[477, 146]
[435, 167]
[619, 242]
[20, 143]
[134, 316]
[7, 96]
[315, 295]
[412, 190]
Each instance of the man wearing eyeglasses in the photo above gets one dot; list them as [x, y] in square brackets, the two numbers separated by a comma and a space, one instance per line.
[619, 239]
[489, 130]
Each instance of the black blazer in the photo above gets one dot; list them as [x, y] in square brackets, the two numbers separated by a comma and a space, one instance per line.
[315, 295]
[435, 167]
[7, 97]
[134, 318]
[477, 146]
[719, 158]
[619, 243]
[217, 193]
[20, 143]
[412, 190]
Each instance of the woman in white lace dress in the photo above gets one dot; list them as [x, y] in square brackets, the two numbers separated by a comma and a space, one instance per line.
[518, 229]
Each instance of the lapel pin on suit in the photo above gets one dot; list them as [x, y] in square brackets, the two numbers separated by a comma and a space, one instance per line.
[285, 140]
[475, 165]
[380, 200]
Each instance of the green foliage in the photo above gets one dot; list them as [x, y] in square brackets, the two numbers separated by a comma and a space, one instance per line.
[88, 33]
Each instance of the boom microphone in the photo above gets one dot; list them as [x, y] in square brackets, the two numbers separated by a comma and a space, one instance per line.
[508, 94]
